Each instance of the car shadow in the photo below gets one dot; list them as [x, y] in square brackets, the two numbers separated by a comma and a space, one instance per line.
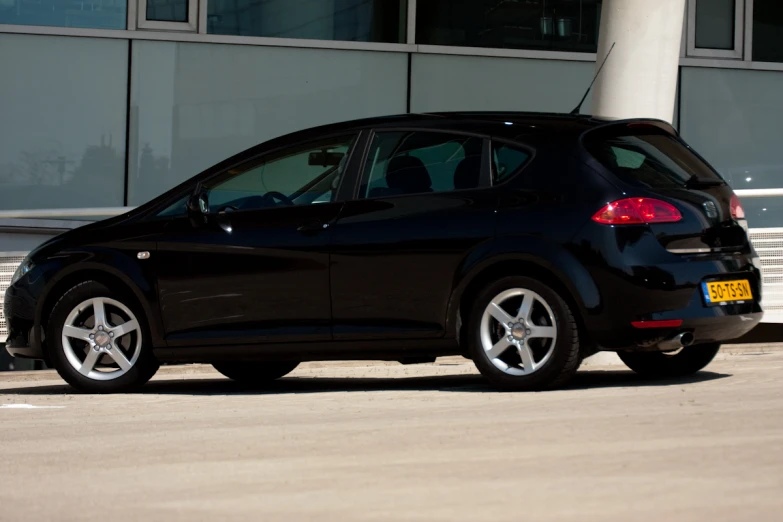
[444, 383]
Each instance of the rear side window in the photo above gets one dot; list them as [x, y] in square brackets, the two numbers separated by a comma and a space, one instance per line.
[507, 160]
[420, 162]
[649, 157]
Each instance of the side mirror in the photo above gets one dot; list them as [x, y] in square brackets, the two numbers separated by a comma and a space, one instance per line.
[198, 208]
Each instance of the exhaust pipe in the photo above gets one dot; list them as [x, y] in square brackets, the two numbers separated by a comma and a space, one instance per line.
[678, 341]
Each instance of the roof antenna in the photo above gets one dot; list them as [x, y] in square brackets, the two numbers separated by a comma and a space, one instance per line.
[578, 107]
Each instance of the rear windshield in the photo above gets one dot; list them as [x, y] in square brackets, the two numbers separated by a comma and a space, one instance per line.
[650, 157]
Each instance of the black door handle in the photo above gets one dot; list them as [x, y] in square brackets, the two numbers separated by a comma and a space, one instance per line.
[313, 228]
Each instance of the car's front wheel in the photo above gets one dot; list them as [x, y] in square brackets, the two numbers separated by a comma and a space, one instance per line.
[98, 340]
[523, 335]
[685, 361]
[255, 374]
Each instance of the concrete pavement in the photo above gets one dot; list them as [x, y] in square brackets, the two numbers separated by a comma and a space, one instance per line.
[388, 442]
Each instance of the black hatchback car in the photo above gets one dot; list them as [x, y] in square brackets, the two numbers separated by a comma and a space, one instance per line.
[524, 242]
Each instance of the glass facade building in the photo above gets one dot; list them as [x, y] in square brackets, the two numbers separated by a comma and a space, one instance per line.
[108, 103]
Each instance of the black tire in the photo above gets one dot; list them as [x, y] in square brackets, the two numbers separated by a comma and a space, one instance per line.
[687, 361]
[562, 363]
[255, 374]
[142, 369]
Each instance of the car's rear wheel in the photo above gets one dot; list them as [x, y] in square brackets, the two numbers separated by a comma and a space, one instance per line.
[685, 361]
[523, 335]
[255, 373]
[98, 340]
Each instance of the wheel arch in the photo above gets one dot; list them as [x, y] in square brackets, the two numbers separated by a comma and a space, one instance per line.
[563, 274]
[108, 275]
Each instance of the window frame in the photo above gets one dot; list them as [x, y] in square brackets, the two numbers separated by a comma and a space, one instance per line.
[196, 185]
[739, 34]
[190, 26]
[362, 177]
[522, 146]
[271, 155]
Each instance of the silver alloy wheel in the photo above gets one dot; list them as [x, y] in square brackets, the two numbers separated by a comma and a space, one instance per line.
[106, 346]
[518, 343]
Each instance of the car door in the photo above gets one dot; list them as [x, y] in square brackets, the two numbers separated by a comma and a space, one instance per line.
[254, 267]
[422, 208]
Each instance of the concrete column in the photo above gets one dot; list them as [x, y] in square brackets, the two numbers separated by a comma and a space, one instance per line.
[640, 76]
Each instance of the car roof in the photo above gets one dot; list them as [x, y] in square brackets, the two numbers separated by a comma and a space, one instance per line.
[482, 122]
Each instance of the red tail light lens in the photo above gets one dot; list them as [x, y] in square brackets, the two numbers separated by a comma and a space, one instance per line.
[736, 208]
[637, 211]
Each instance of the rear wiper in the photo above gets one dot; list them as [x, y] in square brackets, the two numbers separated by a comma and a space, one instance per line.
[695, 182]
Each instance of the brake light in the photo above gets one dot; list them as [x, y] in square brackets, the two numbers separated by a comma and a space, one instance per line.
[736, 208]
[637, 211]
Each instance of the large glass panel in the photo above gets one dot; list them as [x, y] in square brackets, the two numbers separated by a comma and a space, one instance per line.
[193, 105]
[167, 10]
[354, 20]
[103, 14]
[62, 121]
[560, 25]
[768, 31]
[477, 83]
[732, 117]
[715, 24]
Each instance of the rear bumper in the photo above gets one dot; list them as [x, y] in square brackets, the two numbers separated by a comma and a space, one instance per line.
[640, 281]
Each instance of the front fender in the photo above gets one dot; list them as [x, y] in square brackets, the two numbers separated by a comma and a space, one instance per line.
[138, 278]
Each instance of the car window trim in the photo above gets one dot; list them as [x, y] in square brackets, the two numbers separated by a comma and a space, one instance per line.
[196, 186]
[363, 174]
[522, 146]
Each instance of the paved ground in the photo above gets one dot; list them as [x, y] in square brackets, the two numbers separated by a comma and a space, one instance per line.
[383, 442]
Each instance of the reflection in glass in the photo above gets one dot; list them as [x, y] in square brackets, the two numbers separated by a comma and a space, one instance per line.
[353, 20]
[167, 10]
[732, 118]
[562, 25]
[767, 31]
[763, 212]
[63, 123]
[96, 14]
[185, 116]
[715, 24]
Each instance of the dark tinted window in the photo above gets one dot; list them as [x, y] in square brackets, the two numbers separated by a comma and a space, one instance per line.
[767, 31]
[649, 157]
[354, 20]
[563, 25]
[506, 161]
[419, 162]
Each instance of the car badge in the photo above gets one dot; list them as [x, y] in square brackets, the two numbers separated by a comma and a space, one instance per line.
[710, 209]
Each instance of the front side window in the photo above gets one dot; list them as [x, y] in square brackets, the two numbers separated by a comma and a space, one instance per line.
[557, 25]
[303, 176]
[402, 163]
[352, 20]
[107, 14]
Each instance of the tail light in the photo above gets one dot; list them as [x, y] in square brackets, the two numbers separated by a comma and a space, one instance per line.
[637, 211]
[736, 208]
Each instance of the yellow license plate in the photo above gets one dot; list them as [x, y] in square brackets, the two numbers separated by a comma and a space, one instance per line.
[727, 291]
